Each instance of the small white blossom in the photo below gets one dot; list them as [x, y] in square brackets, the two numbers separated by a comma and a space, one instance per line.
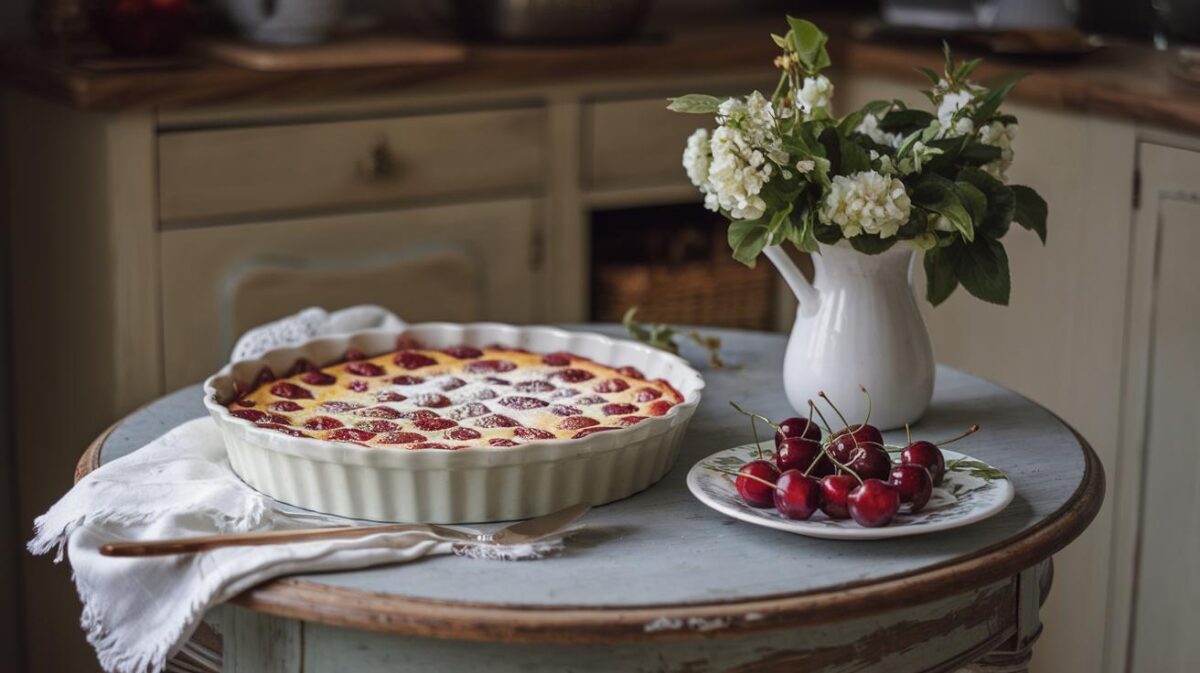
[806, 165]
[735, 177]
[744, 152]
[696, 159]
[951, 113]
[815, 94]
[866, 202]
[942, 223]
[869, 127]
[998, 134]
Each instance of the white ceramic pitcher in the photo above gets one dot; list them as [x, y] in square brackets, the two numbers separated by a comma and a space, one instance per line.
[857, 323]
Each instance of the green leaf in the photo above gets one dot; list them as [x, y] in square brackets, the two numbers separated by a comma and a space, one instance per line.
[659, 336]
[695, 103]
[809, 43]
[939, 195]
[940, 281]
[854, 158]
[965, 68]
[998, 90]
[780, 225]
[1000, 202]
[747, 238]
[780, 41]
[928, 72]
[973, 200]
[871, 244]
[978, 154]
[905, 121]
[803, 236]
[982, 268]
[826, 233]
[1031, 210]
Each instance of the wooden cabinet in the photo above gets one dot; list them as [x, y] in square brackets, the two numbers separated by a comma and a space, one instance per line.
[455, 263]
[1061, 339]
[636, 143]
[1156, 599]
[306, 166]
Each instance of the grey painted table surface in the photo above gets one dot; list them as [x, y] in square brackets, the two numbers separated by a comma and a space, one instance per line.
[662, 547]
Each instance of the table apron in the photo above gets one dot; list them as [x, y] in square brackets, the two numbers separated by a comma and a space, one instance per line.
[927, 638]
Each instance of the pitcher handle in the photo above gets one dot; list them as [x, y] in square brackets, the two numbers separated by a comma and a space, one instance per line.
[805, 293]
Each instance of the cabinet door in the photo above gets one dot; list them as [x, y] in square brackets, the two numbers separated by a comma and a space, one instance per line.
[1161, 419]
[454, 263]
[1060, 340]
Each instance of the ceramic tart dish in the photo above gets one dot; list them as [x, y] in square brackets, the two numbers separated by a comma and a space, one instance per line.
[448, 423]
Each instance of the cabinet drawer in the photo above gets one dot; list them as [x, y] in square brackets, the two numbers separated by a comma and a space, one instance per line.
[638, 143]
[457, 263]
[212, 173]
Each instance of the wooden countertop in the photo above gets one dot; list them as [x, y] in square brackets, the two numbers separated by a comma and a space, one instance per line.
[1125, 81]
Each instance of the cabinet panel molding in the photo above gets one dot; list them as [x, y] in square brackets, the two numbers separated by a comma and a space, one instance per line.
[457, 263]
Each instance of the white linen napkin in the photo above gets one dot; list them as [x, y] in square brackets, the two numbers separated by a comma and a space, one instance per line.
[137, 612]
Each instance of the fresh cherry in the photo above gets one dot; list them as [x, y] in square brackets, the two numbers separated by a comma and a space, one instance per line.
[927, 455]
[797, 426]
[835, 495]
[869, 462]
[799, 453]
[874, 503]
[845, 440]
[756, 483]
[914, 484]
[797, 496]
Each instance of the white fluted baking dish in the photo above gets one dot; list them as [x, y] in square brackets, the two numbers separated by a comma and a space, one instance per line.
[466, 485]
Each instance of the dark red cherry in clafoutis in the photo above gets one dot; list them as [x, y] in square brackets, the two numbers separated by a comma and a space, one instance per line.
[927, 455]
[914, 484]
[797, 426]
[869, 461]
[874, 503]
[835, 495]
[797, 496]
[756, 483]
[797, 453]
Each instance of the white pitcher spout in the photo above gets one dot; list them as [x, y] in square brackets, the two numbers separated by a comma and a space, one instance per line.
[805, 293]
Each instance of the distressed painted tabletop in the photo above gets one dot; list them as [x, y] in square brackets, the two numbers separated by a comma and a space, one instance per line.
[663, 548]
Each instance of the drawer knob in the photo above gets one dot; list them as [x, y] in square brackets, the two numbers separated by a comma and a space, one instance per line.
[381, 165]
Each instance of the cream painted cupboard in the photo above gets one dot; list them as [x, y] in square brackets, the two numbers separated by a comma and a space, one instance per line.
[458, 263]
[145, 241]
[1102, 327]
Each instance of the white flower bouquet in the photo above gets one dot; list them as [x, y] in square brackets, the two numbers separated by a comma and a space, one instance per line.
[785, 169]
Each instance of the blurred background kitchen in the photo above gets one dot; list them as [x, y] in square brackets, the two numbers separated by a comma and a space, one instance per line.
[176, 171]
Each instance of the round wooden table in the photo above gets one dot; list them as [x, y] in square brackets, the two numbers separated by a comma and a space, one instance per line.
[659, 582]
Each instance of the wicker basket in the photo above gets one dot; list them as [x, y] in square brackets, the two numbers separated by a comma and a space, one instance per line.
[713, 291]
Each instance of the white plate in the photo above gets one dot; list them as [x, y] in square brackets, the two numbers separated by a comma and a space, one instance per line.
[967, 494]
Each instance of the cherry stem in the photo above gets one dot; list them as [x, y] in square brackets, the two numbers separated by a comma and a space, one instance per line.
[813, 407]
[838, 463]
[869, 407]
[751, 414]
[970, 431]
[757, 444]
[907, 434]
[740, 474]
[828, 401]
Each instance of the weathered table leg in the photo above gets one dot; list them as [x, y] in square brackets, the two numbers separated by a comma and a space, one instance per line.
[1033, 584]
